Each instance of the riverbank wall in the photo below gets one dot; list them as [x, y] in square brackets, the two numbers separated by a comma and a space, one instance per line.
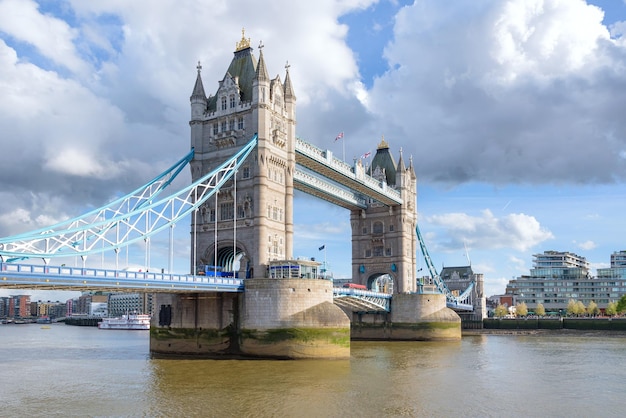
[583, 324]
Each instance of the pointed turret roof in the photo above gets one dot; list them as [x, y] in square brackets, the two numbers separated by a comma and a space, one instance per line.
[198, 88]
[401, 166]
[261, 71]
[384, 160]
[287, 86]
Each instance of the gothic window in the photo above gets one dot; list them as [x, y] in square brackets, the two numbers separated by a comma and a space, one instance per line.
[368, 253]
[224, 103]
[246, 172]
[223, 126]
[377, 228]
[378, 251]
[215, 128]
[391, 228]
[231, 124]
[365, 230]
[232, 101]
[212, 215]
[240, 212]
[240, 123]
[226, 211]
[388, 252]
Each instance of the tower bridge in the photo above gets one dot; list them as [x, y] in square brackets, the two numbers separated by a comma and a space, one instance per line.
[241, 207]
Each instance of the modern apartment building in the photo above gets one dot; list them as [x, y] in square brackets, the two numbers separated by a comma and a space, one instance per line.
[558, 277]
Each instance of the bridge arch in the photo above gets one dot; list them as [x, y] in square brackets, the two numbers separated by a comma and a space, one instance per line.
[228, 255]
[381, 282]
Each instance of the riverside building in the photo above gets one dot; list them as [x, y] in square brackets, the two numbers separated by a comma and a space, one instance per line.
[558, 277]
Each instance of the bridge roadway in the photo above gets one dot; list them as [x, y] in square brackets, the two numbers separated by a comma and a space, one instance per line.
[40, 277]
[334, 180]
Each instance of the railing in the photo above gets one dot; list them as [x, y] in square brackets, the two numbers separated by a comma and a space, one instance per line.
[328, 188]
[68, 276]
[326, 158]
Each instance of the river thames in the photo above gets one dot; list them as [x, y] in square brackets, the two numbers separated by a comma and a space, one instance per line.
[67, 371]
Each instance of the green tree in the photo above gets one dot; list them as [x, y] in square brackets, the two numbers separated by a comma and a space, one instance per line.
[592, 309]
[521, 309]
[580, 308]
[540, 310]
[500, 311]
[611, 309]
[621, 305]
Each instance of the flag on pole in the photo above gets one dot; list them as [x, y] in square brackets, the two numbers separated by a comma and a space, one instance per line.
[367, 154]
[340, 136]
[322, 247]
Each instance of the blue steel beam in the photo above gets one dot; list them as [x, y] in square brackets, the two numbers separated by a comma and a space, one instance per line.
[114, 226]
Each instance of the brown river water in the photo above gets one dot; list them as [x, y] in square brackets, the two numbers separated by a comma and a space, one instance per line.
[67, 371]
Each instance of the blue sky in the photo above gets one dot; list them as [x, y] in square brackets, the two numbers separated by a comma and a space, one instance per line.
[511, 109]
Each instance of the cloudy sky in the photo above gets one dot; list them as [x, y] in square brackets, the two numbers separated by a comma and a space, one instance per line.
[512, 110]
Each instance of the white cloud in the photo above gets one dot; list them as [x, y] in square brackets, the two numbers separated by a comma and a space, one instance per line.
[528, 96]
[587, 245]
[52, 37]
[518, 231]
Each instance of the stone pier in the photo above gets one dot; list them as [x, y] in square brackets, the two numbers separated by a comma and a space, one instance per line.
[413, 317]
[284, 319]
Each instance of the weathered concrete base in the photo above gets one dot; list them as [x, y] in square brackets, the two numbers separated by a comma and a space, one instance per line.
[273, 318]
[413, 317]
[198, 325]
[293, 318]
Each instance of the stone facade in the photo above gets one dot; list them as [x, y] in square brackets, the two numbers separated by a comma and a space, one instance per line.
[247, 101]
[384, 243]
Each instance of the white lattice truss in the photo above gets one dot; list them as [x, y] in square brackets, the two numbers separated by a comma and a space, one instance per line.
[132, 218]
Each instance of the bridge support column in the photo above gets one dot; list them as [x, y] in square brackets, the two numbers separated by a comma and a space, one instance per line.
[413, 317]
[293, 319]
[273, 318]
[195, 325]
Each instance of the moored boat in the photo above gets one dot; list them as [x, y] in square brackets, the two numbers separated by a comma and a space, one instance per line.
[128, 322]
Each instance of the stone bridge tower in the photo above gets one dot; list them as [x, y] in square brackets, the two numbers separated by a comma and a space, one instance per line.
[246, 102]
[384, 242]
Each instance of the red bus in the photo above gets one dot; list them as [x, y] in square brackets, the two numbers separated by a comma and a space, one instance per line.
[355, 286]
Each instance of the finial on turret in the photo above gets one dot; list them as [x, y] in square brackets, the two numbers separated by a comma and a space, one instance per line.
[287, 66]
[383, 144]
[244, 43]
[261, 45]
[199, 67]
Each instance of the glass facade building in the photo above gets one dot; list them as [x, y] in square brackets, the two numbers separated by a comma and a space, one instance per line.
[558, 277]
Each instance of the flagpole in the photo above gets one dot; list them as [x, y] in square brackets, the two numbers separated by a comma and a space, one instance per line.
[343, 155]
[325, 265]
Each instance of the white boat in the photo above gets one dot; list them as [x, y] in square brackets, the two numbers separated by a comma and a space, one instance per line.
[130, 321]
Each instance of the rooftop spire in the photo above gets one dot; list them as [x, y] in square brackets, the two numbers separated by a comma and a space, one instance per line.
[383, 144]
[244, 43]
[198, 88]
[261, 70]
[287, 86]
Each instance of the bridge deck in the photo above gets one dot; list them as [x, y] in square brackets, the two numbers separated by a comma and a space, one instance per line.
[37, 277]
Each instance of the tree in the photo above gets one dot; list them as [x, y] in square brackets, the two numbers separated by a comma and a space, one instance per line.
[611, 309]
[500, 311]
[571, 307]
[621, 305]
[521, 309]
[580, 308]
[592, 309]
[540, 310]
